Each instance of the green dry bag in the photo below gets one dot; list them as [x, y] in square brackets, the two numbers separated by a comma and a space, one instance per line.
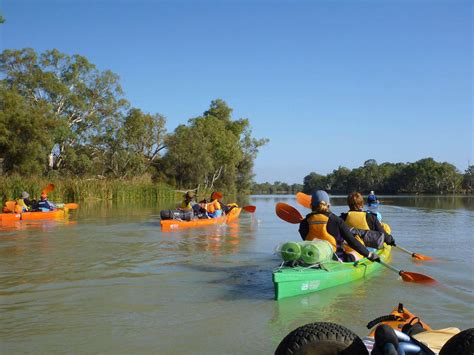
[316, 251]
[290, 251]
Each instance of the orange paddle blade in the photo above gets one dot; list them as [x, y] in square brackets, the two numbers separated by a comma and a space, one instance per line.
[216, 195]
[288, 213]
[416, 277]
[48, 188]
[421, 257]
[250, 208]
[414, 255]
[71, 206]
[303, 199]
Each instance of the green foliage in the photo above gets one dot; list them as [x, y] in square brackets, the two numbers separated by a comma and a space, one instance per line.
[25, 139]
[212, 151]
[423, 176]
[59, 113]
[468, 179]
[69, 89]
[277, 187]
[314, 181]
[77, 189]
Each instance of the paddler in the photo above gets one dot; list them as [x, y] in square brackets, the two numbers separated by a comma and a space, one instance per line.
[360, 219]
[188, 201]
[45, 205]
[24, 202]
[321, 223]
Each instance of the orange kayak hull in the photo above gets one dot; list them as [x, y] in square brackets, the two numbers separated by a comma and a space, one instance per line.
[32, 216]
[173, 224]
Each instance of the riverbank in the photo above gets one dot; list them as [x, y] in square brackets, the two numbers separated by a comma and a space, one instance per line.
[80, 189]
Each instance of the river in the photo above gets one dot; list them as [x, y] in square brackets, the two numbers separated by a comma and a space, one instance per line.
[107, 280]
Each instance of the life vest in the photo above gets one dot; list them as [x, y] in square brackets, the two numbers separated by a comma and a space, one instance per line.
[317, 229]
[213, 206]
[20, 202]
[357, 219]
[186, 206]
[45, 205]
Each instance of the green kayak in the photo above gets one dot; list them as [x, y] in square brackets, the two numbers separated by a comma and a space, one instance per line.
[294, 281]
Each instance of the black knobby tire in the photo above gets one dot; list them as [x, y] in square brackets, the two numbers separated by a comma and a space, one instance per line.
[321, 338]
[460, 344]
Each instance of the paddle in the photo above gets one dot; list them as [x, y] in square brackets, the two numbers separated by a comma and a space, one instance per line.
[216, 195]
[288, 213]
[410, 276]
[249, 209]
[303, 199]
[414, 255]
[69, 206]
[48, 188]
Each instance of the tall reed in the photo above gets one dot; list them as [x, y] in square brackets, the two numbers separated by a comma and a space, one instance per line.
[77, 189]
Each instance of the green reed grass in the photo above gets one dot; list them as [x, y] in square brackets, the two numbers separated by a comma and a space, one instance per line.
[79, 189]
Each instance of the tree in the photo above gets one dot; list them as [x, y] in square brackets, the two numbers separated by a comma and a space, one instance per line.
[26, 134]
[212, 151]
[86, 100]
[468, 179]
[314, 181]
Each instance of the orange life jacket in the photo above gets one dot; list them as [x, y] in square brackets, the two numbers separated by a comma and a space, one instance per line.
[317, 229]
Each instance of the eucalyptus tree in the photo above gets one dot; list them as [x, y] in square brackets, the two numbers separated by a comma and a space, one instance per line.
[75, 92]
[212, 151]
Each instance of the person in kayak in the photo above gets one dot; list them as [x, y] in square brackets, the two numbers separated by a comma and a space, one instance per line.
[321, 223]
[188, 201]
[24, 202]
[373, 204]
[365, 220]
[200, 210]
[45, 205]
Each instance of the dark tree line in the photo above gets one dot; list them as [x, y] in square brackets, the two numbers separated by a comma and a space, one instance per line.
[277, 187]
[61, 116]
[423, 176]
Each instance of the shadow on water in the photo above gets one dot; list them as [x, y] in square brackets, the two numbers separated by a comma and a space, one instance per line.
[242, 282]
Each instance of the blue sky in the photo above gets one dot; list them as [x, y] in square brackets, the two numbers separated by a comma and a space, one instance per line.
[330, 83]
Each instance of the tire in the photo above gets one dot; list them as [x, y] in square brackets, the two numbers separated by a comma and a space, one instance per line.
[321, 338]
[460, 344]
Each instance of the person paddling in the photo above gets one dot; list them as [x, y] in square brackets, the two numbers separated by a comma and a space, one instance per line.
[45, 205]
[321, 223]
[368, 221]
[24, 202]
[188, 201]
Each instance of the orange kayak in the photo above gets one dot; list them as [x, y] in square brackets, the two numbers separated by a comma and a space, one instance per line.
[31, 216]
[174, 224]
[397, 319]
